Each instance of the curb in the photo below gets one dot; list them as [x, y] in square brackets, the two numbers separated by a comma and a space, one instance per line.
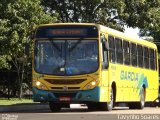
[23, 107]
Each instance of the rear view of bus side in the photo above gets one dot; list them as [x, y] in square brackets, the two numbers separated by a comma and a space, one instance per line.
[94, 65]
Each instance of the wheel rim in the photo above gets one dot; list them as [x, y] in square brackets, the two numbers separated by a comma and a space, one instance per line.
[142, 98]
[111, 99]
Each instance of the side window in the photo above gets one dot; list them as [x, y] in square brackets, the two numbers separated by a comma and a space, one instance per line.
[112, 56]
[151, 59]
[146, 57]
[126, 53]
[140, 55]
[133, 50]
[119, 50]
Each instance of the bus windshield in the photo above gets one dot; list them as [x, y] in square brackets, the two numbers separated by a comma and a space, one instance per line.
[66, 57]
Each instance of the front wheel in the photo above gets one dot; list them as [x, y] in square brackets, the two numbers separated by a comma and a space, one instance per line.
[108, 106]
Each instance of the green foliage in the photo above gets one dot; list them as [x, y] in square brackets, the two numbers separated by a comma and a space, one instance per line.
[3, 61]
[18, 19]
[153, 28]
[112, 13]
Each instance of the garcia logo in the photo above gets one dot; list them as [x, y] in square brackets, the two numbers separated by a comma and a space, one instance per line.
[127, 75]
[140, 78]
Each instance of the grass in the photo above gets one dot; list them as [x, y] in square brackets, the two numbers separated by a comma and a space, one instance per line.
[13, 101]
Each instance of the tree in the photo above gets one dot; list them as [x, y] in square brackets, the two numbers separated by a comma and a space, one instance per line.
[18, 20]
[152, 29]
[112, 13]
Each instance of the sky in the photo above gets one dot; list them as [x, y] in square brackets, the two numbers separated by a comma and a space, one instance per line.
[132, 31]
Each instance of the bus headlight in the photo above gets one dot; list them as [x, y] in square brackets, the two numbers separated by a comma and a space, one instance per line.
[92, 84]
[38, 83]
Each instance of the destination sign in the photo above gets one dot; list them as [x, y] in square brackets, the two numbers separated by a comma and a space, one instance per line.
[69, 31]
[65, 32]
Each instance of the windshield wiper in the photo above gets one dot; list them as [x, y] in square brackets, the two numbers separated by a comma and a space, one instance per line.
[54, 44]
[76, 44]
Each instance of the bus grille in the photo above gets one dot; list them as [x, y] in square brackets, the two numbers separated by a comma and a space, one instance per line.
[59, 82]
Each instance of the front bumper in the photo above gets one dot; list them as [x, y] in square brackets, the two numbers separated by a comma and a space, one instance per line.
[80, 96]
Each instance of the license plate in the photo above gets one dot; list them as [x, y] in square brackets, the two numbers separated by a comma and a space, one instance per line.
[65, 99]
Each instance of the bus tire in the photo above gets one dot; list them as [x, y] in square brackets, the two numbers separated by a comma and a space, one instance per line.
[108, 106]
[54, 107]
[141, 103]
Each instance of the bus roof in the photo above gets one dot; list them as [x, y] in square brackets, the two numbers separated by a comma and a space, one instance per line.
[109, 31]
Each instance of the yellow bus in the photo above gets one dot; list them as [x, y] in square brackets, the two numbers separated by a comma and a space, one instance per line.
[92, 64]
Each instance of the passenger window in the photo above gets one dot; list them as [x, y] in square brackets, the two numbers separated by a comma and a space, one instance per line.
[151, 59]
[140, 55]
[126, 53]
[146, 57]
[133, 54]
[119, 50]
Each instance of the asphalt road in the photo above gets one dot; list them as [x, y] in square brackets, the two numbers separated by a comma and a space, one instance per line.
[82, 113]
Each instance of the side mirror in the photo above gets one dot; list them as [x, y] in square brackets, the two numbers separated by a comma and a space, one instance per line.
[106, 45]
[105, 60]
[105, 42]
